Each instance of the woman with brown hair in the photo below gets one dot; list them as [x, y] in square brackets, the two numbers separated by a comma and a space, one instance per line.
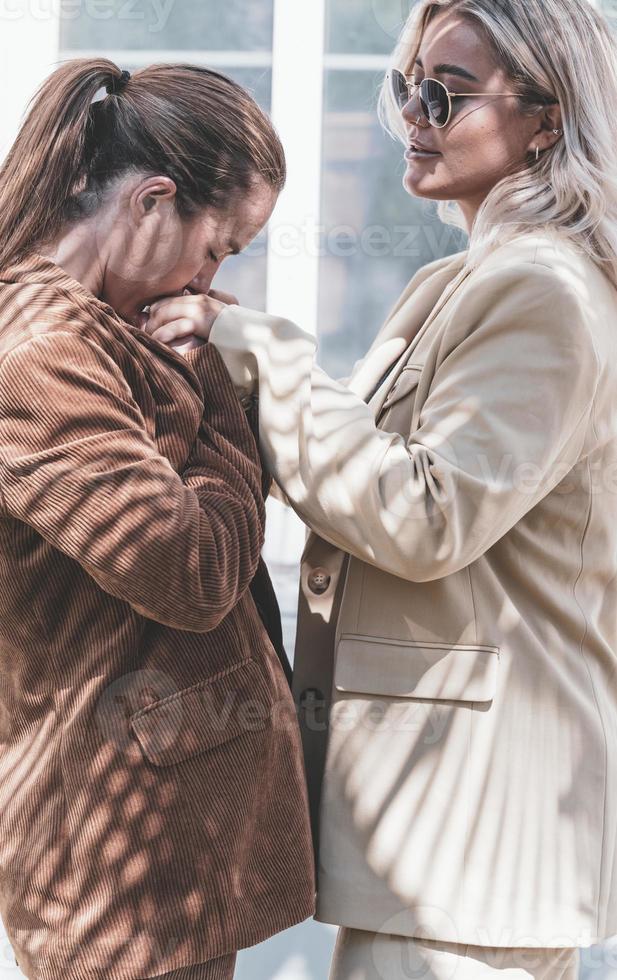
[153, 808]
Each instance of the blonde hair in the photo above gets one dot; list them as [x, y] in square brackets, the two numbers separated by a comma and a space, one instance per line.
[551, 50]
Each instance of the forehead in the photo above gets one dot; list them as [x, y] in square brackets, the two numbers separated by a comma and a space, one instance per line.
[246, 214]
[253, 207]
[453, 39]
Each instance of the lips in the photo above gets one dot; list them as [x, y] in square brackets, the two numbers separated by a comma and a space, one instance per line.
[414, 145]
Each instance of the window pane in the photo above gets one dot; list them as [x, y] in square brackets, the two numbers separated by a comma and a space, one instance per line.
[206, 25]
[364, 26]
[609, 8]
[376, 235]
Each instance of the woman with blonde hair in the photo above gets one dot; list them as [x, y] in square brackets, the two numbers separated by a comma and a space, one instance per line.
[456, 665]
[153, 803]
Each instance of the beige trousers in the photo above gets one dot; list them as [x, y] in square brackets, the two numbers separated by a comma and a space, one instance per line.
[360, 955]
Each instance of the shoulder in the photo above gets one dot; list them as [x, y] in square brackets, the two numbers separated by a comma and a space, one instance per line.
[543, 272]
[49, 335]
[535, 293]
[540, 262]
[48, 317]
[37, 310]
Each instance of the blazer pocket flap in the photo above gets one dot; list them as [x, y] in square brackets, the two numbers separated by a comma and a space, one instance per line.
[406, 382]
[200, 717]
[402, 669]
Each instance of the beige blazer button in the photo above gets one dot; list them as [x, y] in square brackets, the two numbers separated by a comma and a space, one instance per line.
[319, 580]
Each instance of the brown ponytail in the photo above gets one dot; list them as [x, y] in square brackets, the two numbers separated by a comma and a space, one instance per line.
[194, 125]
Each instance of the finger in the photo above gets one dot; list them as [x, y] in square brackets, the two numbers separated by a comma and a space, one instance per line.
[183, 327]
[175, 308]
[201, 308]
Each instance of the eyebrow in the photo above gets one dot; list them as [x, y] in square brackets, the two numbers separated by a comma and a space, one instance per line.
[447, 69]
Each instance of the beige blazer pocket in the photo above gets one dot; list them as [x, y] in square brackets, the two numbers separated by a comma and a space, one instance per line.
[198, 718]
[408, 669]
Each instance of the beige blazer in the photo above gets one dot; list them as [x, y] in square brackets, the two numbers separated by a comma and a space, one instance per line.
[456, 666]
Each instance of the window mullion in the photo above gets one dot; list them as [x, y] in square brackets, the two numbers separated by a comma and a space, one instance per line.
[297, 112]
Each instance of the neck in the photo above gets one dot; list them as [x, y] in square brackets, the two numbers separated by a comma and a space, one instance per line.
[469, 210]
[80, 250]
[76, 250]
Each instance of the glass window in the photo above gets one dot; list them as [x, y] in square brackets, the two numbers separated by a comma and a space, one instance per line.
[376, 235]
[609, 8]
[196, 25]
[364, 26]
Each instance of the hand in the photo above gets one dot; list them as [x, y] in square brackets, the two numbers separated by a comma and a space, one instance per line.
[185, 322]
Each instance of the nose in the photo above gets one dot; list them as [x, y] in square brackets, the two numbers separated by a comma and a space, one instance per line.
[412, 111]
[202, 282]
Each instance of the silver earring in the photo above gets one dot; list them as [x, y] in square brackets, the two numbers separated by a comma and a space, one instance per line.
[418, 120]
[537, 153]
[557, 132]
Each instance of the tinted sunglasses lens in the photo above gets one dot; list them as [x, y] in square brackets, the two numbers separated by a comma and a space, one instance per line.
[435, 102]
[400, 88]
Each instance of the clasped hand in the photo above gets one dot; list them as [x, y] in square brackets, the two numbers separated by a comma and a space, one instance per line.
[185, 322]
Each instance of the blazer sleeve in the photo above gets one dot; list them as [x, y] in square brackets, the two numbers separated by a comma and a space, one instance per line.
[504, 421]
[79, 466]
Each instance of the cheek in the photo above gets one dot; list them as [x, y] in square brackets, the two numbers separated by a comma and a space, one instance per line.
[142, 254]
[477, 153]
[489, 140]
[193, 249]
[193, 265]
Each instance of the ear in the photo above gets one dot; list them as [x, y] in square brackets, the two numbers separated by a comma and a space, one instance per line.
[152, 195]
[544, 137]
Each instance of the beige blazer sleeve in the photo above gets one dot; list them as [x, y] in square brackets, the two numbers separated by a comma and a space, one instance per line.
[504, 421]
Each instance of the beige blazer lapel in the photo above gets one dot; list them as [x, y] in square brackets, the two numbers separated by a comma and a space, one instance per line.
[397, 339]
[403, 330]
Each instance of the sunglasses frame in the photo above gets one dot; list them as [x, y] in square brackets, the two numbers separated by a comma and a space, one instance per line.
[450, 95]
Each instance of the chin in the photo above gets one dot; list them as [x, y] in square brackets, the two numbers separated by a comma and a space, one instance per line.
[422, 186]
[418, 187]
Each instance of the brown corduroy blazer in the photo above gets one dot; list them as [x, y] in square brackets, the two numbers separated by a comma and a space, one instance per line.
[153, 809]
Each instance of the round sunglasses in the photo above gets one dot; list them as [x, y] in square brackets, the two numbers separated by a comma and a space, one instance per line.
[435, 99]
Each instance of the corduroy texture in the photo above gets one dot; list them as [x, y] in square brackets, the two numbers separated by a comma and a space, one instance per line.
[222, 968]
[152, 793]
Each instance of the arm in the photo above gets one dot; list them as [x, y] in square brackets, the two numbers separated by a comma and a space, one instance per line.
[504, 421]
[78, 465]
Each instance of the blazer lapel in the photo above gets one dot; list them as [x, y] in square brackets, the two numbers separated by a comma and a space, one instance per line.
[397, 340]
[402, 332]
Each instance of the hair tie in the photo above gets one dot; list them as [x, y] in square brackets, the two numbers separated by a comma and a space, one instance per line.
[118, 83]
